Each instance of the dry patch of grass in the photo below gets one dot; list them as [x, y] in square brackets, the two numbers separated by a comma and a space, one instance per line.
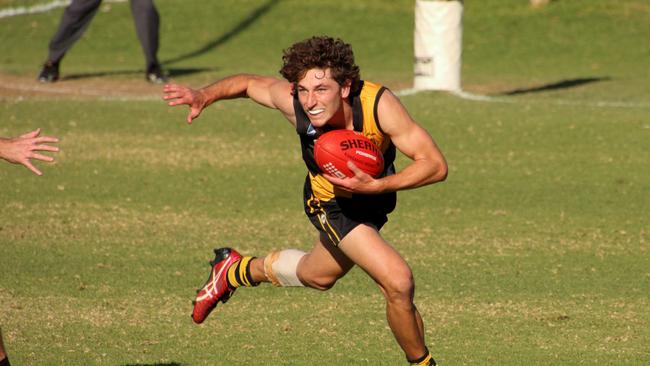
[62, 224]
[166, 151]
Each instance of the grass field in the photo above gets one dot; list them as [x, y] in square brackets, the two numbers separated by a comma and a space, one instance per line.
[535, 251]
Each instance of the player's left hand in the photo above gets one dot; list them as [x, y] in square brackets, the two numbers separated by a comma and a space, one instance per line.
[179, 95]
[361, 182]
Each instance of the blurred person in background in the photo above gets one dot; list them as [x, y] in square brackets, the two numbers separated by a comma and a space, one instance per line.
[20, 150]
[77, 17]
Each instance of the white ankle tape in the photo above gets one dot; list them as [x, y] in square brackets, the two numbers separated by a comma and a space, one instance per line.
[281, 267]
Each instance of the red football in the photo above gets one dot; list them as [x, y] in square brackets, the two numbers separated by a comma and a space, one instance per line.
[335, 148]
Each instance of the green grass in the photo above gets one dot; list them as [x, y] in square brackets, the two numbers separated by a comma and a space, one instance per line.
[534, 251]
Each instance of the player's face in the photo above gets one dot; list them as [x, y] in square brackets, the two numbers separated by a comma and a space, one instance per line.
[321, 96]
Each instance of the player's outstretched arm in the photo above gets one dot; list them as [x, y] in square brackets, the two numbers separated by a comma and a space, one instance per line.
[267, 91]
[22, 149]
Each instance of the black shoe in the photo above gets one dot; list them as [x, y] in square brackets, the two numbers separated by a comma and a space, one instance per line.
[49, 73]
[155, 75]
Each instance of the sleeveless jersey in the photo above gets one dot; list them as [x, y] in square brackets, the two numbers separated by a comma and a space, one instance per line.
[364, 111]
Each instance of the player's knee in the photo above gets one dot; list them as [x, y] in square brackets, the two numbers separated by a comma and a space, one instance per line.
[281, 268]
[399, 287]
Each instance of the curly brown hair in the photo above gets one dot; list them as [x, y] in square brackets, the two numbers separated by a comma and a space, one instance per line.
[324, 53]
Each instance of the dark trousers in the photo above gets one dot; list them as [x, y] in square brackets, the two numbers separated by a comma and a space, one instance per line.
[79, 13]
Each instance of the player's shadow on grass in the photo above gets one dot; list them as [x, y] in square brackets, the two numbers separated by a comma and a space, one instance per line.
[563, 84]
[172, 72]
[240, 27]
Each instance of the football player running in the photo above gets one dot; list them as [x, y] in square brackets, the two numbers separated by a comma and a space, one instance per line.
[322, 91]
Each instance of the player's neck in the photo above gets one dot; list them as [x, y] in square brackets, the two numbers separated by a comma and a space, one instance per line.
[343, 118]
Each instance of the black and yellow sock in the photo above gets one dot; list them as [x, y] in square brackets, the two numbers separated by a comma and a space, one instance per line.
[426, 360]
[239, 273]
[5, 361]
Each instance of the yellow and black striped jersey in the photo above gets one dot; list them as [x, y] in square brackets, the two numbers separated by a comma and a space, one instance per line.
[364, 111]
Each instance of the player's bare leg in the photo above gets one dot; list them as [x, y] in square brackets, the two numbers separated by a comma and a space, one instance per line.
[385, 265]
[320, 268]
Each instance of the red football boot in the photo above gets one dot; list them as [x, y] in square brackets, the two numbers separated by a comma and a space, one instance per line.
[216, 287]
